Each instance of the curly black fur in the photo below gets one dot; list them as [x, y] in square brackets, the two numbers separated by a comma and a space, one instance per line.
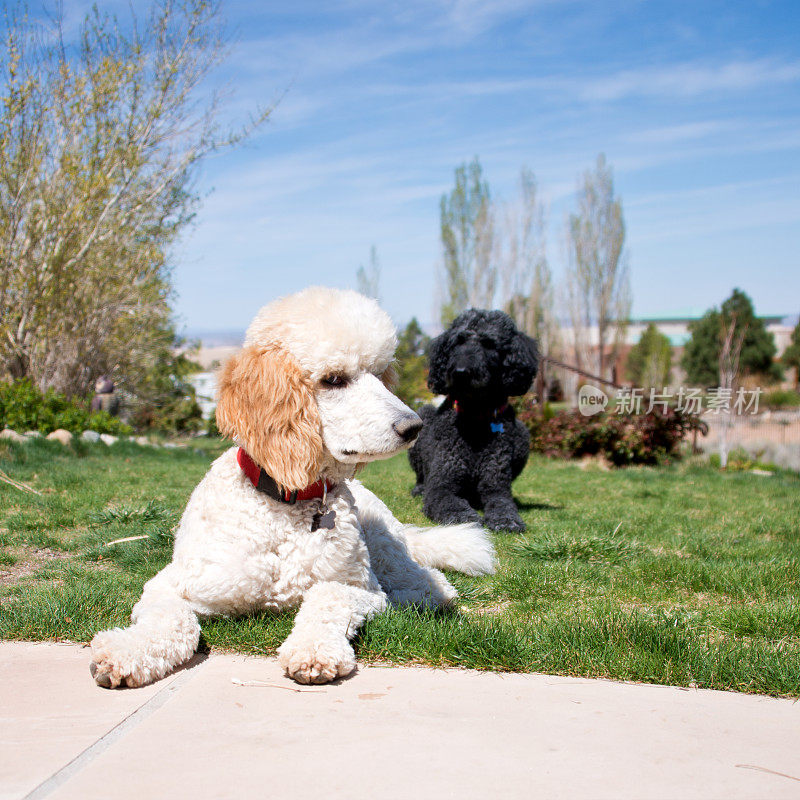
[472, 446]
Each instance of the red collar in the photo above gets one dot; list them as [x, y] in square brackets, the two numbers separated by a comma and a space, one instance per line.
[491, 413]
[264, 483]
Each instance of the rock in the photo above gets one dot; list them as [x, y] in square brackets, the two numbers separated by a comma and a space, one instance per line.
[12, 436]
[142, 440]
[90, 436]
[33, 434]
[107, 438]
[60, 435]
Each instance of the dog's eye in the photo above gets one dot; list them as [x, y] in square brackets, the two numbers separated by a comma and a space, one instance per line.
[487, 342]
[334, 381]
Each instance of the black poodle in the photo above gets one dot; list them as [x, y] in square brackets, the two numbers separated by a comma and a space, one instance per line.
[472, 446]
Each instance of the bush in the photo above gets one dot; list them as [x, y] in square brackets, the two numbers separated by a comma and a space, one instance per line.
[739, 460]
[781, 398]
[650, 359]
[412, 366]
[211, 424]
[623, 439]
[173, 415]
[24, 408]
[166, 400]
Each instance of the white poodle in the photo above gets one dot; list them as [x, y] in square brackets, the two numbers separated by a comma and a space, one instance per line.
[278, 521]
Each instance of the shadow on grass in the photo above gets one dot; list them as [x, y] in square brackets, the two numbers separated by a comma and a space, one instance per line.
[527, 505]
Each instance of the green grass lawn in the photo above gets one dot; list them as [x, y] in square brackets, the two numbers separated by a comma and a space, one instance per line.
[682, 575]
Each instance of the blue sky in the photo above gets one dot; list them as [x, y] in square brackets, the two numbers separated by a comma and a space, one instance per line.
[696, 106]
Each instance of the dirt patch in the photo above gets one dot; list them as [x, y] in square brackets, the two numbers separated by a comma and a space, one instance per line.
[665, 551]
[598, 462]
[29, 561]
[493, 610]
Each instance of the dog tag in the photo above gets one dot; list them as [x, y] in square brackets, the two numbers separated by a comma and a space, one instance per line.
[497, 427]
[325, 520]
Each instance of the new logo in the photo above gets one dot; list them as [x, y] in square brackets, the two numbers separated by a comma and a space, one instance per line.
[591, 400]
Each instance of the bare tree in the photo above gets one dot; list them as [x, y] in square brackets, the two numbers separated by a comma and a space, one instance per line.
[731, 338]
[597, 282]
[99, 147]
[368, 279]
[526, 282]
[468, 276]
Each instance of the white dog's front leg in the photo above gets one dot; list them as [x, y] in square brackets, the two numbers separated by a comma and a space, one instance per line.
[164, 634]
[318, 648]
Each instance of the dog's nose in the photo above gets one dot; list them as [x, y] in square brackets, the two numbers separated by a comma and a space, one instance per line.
[407, 428]
[461, 376]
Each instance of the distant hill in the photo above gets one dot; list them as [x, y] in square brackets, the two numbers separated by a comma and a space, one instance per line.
[233, 337]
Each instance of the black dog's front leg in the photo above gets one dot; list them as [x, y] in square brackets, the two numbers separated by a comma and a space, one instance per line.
[443, 504]
[446, 508]
[500, 509]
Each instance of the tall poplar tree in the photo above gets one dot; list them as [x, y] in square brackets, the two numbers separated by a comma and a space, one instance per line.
[598, 284]
[468, 276]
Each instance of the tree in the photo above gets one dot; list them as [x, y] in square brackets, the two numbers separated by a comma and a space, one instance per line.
[650, 360]
[758, 345]
[412, 365]
[598, 284]
[468, 277]
[701, 355]
[733, 333]
[165, 398]
[526, 283]
[100, 143]
[369, 279]
[791, 356]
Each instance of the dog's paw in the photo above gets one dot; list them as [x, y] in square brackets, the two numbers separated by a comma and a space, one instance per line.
[114, 662]
[509, 524]
[107, 671]
[417, 490]
[316, 662]
[105, 675]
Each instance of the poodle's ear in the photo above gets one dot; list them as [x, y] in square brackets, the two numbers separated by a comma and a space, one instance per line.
[438, 357]
[520, 364]
[390, 378]
[267, 405]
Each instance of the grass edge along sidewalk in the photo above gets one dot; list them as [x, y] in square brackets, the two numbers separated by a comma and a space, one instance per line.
[680, 575]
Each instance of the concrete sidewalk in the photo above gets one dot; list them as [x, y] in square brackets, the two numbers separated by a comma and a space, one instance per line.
[386, 733]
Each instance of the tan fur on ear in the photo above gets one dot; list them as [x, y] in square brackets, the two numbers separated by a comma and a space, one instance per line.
[267, 404]
[390, 378]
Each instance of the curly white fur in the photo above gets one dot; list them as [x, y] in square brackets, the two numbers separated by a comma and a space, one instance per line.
[238, 551]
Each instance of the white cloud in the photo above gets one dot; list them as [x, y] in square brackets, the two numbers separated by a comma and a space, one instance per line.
[472, 17]
[712, 195]
[690, 80]
[701, 212]
[671, 134]
[676, 80]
